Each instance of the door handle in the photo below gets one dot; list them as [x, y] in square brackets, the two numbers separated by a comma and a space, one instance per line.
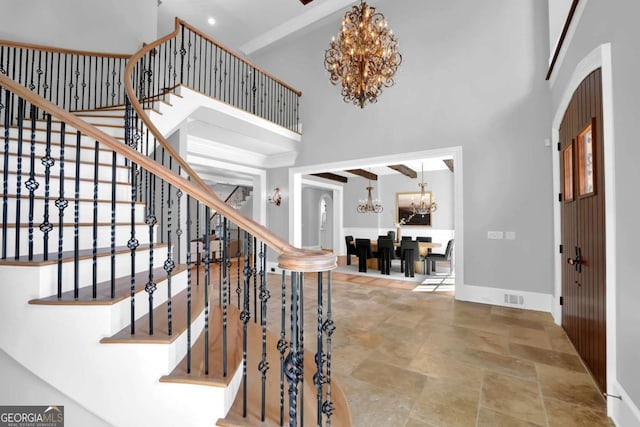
[577, 261]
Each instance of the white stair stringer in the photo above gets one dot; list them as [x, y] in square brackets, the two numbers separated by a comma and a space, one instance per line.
[60, 344]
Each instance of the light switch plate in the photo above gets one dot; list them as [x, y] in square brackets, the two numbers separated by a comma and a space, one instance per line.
[510, 235]
[495, 235]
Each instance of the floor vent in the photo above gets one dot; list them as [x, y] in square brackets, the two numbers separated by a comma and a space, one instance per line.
[513, 299]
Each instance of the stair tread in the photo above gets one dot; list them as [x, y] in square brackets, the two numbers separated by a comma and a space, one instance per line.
[68, 256]
[216, 375]
[103, 294]
[160, 323]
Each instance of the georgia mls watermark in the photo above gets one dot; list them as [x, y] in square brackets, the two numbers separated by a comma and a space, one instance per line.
[31, 416]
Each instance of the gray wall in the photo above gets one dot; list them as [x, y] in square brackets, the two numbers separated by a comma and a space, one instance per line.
[616, 22]
[462, 83]
[96, 25]
[277, 216]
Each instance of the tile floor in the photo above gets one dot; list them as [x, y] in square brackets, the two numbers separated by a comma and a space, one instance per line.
[419, 359]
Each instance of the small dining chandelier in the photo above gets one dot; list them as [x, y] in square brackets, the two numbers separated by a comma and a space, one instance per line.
[425, 205]
[364, 57]
[369, 205]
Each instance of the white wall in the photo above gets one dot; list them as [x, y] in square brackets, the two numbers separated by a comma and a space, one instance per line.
[472, 76]
[96, 25]
[616, 22]
[311, 215]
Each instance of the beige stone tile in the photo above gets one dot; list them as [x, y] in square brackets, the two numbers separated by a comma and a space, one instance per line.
[547, 357]
[373, 405]
[514, 396]
[397, 352]
[345, 358]
[406, 318]
[487, 341]
[517, 321]
[379, 373]
[498, 362]
[538, 316]
[447, 403]
[559, 340]
[530, 337]
[438, 365]
[491, 418]
[562, 414]
[569, 386]
[417, 423]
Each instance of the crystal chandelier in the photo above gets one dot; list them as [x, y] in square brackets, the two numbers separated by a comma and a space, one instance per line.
[426, 205]
[365, 56]
[369, 205]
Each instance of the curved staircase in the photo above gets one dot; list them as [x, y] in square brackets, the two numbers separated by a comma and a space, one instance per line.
[102, 295]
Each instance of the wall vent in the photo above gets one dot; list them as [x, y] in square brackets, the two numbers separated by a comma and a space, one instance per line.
[513, 299]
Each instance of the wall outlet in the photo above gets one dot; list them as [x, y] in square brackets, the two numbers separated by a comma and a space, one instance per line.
[495, 235]
[510, 235]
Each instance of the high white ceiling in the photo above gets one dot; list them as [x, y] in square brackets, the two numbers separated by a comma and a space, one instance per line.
[247, 25]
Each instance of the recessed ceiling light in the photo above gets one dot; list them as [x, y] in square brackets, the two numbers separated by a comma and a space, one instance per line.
[211, 20]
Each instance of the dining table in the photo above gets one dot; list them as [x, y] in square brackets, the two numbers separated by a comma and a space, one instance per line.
[424, 246]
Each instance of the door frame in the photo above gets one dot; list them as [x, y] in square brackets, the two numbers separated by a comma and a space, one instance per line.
[600, 57]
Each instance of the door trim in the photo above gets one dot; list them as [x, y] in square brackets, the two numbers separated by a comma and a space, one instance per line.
[600, 57]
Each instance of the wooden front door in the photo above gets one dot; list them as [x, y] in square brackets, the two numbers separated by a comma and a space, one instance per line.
[583, 226]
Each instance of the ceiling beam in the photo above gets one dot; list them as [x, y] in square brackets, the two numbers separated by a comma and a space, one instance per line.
[331, 176]
[449, 163]
[363, 173]
[405, 170]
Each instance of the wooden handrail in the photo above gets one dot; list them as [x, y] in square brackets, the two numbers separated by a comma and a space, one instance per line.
[62, 50]
[290, 258]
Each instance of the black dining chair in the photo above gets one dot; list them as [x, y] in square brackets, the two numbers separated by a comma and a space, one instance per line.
[351, 248]
[410, 250]
[430, 260]
[399, 248]
[391, 234]
[363, 246]
[386, 252]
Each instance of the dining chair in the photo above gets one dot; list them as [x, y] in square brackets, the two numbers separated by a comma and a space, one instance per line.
[386, 252]
[363, 246]
[351, 248]
[410, 250]
[430, 260]
[425, 239]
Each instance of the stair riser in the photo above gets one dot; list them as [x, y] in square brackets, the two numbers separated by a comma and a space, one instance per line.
[41, 127]
[86, 170]
[48, 276]
[86, 151]
[123, 211]
[123, 234]
[123, 191]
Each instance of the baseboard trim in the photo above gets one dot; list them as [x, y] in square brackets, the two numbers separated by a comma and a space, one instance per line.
[496, 296]
[624, 412]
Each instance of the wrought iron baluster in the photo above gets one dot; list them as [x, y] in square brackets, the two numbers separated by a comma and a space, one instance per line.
[76, 221]
[225, 292]
[19, 176]
[301, 348]
[245, 316]
[151, 221]
[47, 161]
[198, 242]
[238, 289]
[293, 362]
[206, 261]
[161, 224]
[282, 343]
[132, 243]
[328, 328]
[32, 184]
[319, 378]
[189, 284]
[263, 366]
[61, 204]
[94, 246]
[169, 264]
[254, 271]
[113, 224]
[7, 108]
